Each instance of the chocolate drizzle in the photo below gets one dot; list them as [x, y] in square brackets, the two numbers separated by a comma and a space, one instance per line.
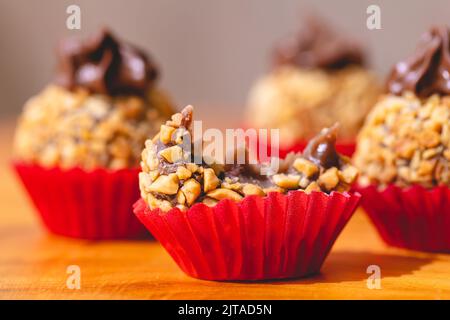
[321, 149]
[318, 46]
[104, 65]
[427, 72]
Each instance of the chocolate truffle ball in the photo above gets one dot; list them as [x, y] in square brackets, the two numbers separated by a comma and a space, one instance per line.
[319, 78]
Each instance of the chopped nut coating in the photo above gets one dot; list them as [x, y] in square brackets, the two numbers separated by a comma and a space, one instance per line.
[170, 179]
[210, 180]
[165, 184]
[172, 154]
[191, 190]
[222, 193]
[306, 167]
[66, 129]
[405, 141]
[286, 181]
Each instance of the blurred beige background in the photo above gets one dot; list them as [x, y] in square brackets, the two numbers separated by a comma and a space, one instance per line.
[209, 51]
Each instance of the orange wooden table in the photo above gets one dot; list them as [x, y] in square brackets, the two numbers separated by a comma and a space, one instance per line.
[33, 264]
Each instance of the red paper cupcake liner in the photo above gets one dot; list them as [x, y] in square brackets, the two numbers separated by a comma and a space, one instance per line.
[413, 218]
[272, 237]
[84, 204]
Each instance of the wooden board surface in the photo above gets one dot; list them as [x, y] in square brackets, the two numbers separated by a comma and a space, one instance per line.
[33, 264]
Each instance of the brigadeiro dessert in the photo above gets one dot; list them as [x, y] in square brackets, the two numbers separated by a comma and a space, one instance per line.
[319, 78]
[230, 221]
[403, 150]
[78, 142]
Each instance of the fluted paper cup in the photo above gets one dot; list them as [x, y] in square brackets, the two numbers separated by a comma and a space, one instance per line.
[413, 218]
[259, 238]
[84, 204]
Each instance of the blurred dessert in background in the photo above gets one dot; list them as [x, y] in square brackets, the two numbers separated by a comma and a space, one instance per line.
[102, 106]
[319, 78]
[78, 142]
[406, 137]
[403, 150]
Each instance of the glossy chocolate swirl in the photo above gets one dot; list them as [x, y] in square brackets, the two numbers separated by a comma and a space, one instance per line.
[427, 72]
[321, 149]
[318, 46]
[104, 65]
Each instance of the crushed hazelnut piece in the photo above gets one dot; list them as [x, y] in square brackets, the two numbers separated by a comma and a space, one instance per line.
[210, 180]
[192, 167]
[191, 189]
[165, 184]
[429, 138]
[181, 198]
[166, 133]
[223, 193]
[183, 173]
[329, 179]
[305, 167]
[251, 189]
[172, 154]
[286, 181]
[313, 186]
[349, 174]
[153, 174]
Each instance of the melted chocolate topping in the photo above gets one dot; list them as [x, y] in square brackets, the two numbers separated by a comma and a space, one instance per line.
[321, 149]
[104, 65]
[247, 172]
[428, 71]
[318, 46]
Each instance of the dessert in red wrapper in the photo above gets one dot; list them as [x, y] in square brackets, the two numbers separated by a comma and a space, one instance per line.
[78, 142]
[403, 151]
[319, 77]
[230, 222]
